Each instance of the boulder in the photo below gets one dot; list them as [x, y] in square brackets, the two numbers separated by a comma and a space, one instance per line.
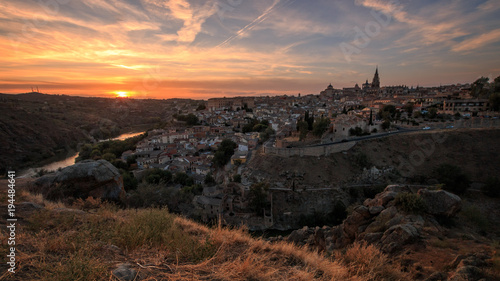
[467, 273]
[125, 272]
[299, 235]
[98, 179]
[371, 237]
[397, 236]
[375, 210]
[440, 202]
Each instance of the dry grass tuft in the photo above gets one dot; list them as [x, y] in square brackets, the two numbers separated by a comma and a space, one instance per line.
[367, 262]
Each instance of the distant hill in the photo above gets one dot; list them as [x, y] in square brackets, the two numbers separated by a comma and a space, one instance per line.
[35, 127]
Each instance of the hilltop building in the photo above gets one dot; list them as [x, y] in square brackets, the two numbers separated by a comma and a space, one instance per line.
[376, 80]
[230, 103]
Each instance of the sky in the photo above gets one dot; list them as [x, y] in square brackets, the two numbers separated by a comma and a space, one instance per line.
[222, 48]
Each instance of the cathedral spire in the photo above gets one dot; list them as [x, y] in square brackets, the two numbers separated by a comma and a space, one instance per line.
[376, 80]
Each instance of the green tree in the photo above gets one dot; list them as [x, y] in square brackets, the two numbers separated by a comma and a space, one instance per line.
[432, 113]
[388, 112]
[480, 87]
[320, 126]
[310, 121]
[452, 177]
[357, 131]
[496, 85]
[156, 176]
[259, 128]
[209, 180]
[183, 179]
[201, 106]
[191, 119]
[109, 157]
[386, 125]
[224, 152]
[237, 178]
[95, 154]
[495, 101]
[302, 126]
[264, 136]
[408, 107]
[129, 181]
[85, 152]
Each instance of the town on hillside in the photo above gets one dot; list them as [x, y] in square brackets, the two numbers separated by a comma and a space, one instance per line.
[285, 125]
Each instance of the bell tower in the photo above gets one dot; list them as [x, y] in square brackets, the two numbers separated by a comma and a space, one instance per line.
[376, 80]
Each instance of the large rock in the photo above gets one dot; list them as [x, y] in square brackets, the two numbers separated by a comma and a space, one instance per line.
[99, 179]
[397, 236]
[125, 272]
[440, 202]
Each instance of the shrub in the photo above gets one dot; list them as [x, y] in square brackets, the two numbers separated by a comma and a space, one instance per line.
[209, 180]
[155, 176]
[410, 202]
[452, 177]
[224, 152]
[183, 179]
[237, 178]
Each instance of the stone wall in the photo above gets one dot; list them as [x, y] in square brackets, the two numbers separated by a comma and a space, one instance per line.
[311, 150]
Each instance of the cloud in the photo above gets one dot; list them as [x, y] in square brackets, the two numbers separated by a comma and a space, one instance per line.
[116, 44]
[426, 30]
[489, 6]
[478, 41]
[192, 16]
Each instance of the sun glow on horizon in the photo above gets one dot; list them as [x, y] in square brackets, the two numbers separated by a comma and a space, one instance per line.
[122, 94]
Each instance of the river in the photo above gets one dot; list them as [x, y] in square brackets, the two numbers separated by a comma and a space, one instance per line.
[70, 160]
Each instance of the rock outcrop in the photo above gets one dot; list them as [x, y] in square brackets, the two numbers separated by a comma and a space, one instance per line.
[468, 267]
[98, 179]
[383, 221]
[440, 202]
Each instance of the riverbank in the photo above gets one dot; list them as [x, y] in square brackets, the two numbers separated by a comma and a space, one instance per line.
[67, 160]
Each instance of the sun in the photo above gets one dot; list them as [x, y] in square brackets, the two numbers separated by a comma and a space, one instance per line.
[121, 94]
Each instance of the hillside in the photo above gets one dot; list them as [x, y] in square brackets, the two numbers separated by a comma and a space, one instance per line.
[36, 127]
[91, 240]
[473, 150]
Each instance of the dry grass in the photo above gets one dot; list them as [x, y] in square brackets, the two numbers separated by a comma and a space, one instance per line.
[87, 246]
[367, 262]
[38, 199]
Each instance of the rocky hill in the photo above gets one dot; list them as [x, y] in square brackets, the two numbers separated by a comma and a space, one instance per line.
[419, 229]
[385, 238]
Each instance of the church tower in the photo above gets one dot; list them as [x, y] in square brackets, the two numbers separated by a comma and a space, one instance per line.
[376, 80]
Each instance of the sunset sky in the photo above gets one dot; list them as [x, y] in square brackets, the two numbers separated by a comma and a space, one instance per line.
[202, 49]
